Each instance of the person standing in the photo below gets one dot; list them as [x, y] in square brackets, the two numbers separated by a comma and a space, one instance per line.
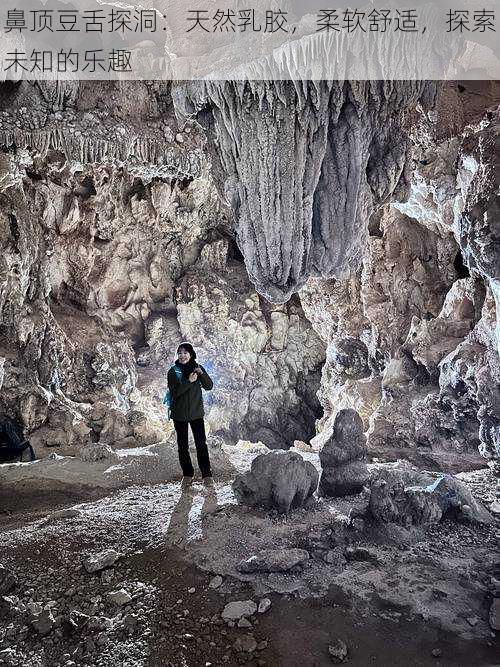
[185, 382]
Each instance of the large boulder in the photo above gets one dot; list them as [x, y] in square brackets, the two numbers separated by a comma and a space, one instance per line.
[343, 457]
[280, 479]
[409, 497]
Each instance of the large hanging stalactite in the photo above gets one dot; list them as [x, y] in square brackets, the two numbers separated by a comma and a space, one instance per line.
[304, 164]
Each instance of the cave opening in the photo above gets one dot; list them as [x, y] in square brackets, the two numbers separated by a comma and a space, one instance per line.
[460, 266]
[234, 252]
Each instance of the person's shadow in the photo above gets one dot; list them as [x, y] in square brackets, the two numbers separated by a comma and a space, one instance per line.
[188, 518]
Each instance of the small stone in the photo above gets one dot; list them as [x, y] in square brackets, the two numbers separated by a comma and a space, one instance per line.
[244, 623]
[473, 620]
[245, 644]
[96, 562]
[273, 560]
[63, 514]
[358, 524]
[43, 623]
[495, 507]
[215, 582]
[8, 580]
[362, 554]
[179, 138]
[264, 605]
[34, 608]
[436, 653]
[192, 590]
[495, 614]
[119, 598]
[233, 611]
[338, 651]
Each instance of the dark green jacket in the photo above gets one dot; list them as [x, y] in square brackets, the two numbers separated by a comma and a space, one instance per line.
[187, 401]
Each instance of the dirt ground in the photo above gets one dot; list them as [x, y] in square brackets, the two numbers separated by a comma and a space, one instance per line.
[180, 625]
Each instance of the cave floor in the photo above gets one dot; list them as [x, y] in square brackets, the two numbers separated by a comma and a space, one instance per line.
[407, 599]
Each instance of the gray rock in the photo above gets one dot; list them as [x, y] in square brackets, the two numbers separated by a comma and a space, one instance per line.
[97, 452]
[8, 580]
[338, 651]
[9, 605]
[215, 582]
[8, 657]
[44, 622]
[96, 562]
[334, 557]
[409, 497]
[244, 623]
[245, 644]
[494, 616]
[63, 514]
[273, 560]
[264, 605]
[119, 598]
[233, 611]
[344, 470]
[280, 479]
[363, 554]
[78, 620]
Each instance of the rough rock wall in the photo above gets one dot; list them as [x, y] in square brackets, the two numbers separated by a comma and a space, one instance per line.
[116, 246]
[111, 231]
[413, 336]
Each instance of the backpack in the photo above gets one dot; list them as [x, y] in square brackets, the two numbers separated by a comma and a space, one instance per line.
[12, 445]
[167, 399]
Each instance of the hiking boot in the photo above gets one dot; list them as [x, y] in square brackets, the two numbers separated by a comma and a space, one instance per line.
[208, 480]
[186, 482]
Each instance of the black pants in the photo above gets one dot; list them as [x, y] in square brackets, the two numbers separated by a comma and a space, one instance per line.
[200, 440]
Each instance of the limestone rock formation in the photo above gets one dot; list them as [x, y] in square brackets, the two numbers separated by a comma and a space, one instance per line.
[125, 228]
[115, 247]
[279, 480]
[408, 497]
[346, 138]
[413, 336]
[343, 455]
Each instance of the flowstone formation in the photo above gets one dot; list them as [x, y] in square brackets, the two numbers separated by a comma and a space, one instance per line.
[282, 149]
[115, 247]
[413, 336]
[343, 455]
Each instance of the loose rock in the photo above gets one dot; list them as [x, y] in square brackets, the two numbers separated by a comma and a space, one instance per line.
[246, 644]
[99, 561]
[338, 651]
[120, 597]
[233, 611]
[273, 560]
[264, 605]
[280, 479]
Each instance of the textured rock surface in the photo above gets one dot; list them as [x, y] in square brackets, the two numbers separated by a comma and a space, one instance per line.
[115, 247]
[413, 336]
[269, 560]
[116, 244]
[341, 137]
[278, 480]
[408, 497]
[343, 465]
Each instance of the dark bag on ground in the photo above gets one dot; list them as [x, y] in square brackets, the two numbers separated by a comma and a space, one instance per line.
[12, 444]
